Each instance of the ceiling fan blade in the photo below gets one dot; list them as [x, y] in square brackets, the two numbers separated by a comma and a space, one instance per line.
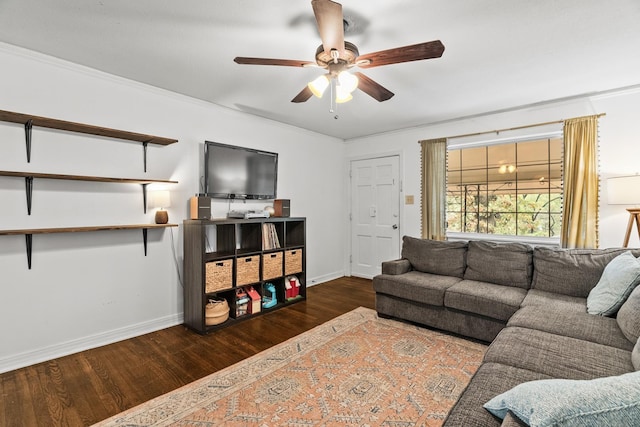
[303, 96]
[330, 24]
[269, 61]
[416, 52]
[373, 89]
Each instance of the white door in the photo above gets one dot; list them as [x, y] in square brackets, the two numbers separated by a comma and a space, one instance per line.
[375, 214]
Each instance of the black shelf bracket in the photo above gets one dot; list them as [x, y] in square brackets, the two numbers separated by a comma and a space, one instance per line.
[144, 240]
[28, 181]
[29, 241]
[27, 134]
[144, 196]
[144, 153]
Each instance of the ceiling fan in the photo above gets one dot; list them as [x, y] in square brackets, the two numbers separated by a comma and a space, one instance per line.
[337, 56]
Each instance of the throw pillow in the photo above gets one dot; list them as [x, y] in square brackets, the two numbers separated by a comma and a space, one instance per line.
[610, 401]
[628, 317]
[618, 279]
[635, 356]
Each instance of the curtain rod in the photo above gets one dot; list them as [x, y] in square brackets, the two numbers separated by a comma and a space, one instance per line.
[518, 127]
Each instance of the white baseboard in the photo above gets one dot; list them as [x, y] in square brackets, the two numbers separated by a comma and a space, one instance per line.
[29, 358]
[64, 349]
[324, 278]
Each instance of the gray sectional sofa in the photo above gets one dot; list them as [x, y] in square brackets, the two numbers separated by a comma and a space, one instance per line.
[531, 304]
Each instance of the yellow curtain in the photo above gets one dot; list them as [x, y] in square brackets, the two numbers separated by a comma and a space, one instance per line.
[433, 188]
[581, 183]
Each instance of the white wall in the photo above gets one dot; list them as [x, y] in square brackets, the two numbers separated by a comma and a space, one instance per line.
[87, 289]
[619, 149]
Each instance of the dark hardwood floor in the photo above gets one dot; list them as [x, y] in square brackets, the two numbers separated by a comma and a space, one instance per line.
[87, 387]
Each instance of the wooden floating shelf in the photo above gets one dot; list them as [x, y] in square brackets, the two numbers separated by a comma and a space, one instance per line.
[83, 229]
[10, 116]
[29, 121]
[85, 178]
[29, 232]
[29, 176]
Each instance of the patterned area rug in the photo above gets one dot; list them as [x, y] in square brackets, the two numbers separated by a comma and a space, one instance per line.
[356, 370]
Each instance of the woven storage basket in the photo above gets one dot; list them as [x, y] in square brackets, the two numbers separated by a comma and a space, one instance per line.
[292, 261]
[219, 275]
[216, 312]
[271, 265]
[247, 270]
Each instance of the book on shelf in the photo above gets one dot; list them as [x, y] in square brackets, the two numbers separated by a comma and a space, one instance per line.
[270, 238]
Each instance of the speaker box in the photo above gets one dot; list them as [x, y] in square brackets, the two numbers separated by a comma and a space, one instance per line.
[282, 207]
[200, 207]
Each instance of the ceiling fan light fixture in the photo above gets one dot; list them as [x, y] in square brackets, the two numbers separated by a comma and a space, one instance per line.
[348, 81]
[342, 95]
[318, 85]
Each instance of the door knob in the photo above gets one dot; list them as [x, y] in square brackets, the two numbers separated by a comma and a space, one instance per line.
[395, 226]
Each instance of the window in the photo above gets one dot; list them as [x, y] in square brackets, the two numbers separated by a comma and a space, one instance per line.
[512, 188]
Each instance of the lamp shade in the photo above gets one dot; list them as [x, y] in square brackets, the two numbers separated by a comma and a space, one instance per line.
[624, 190]
[160, 199]
[319, 85]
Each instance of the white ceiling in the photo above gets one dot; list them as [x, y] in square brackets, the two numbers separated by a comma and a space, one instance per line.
[499, 54]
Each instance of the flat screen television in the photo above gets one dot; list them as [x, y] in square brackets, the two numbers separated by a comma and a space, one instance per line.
[232, 172]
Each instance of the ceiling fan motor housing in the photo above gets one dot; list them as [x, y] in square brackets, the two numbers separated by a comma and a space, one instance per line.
[345, 59]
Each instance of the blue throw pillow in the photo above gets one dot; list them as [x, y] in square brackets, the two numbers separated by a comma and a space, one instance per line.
[618, 279]
[610, 401]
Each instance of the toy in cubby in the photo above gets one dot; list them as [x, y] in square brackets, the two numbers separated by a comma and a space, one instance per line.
[269, 297]
[292, 287]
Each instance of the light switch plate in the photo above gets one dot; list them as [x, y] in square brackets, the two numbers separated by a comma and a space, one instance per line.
[408, 199]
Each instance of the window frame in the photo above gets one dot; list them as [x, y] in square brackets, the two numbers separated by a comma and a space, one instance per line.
[534, 240]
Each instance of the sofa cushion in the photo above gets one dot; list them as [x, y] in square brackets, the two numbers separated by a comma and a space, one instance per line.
[435, 257]
[583, 326]
[511, 420]
[618, 279]
[572, 272]
[629, 316]
[509, 264]
[415, 286]
[487, 299]
[557, 356]
[557, 302]
[490, 380]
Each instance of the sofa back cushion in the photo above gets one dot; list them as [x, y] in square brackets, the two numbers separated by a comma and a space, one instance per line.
[509, 264]
[435, 257]
[572, 272]
[629, 316]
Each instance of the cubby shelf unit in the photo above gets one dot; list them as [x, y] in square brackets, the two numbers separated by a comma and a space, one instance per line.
[214, 241]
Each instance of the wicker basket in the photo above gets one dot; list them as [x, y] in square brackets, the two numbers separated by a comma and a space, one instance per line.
[216, 312]
[292, 261]
[271, 265]
[247, 270]
[219, 275]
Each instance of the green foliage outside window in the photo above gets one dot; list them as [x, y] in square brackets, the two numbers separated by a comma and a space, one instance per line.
[506, 190]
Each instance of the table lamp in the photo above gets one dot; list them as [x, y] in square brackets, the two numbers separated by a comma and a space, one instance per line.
[625, 190]
[161, 199]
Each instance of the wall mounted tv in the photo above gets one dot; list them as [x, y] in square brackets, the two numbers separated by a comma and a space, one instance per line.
[232, 172]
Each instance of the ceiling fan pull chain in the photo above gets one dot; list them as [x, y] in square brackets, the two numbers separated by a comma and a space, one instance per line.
[334, 99]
